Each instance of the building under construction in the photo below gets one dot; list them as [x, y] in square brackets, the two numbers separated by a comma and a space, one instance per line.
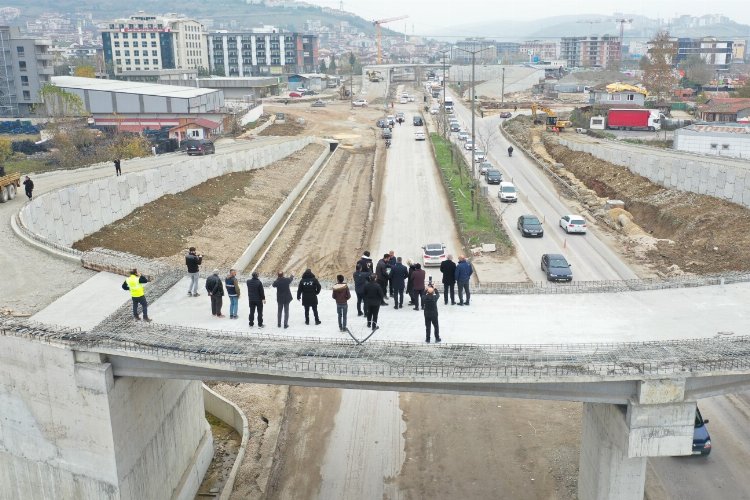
[25, 66]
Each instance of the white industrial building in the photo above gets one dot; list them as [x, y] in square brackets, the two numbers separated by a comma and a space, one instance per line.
[728, 139]
[135, 106]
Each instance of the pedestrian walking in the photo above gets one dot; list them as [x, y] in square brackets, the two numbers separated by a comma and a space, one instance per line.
[411, 267]
[193, 260]
[28, 186]
[417, 286]
[257, 297]
[463, 275]
[382, 271]
[341, 295]
[307, 291]
[216, 291]
[365, 262]
[373, 299]
[233, 292]
[448, 269]
[391, 263]
[360, 279]
[398, 279]
[117, 166]
[431, 313]
[283, 297]
[134, 283]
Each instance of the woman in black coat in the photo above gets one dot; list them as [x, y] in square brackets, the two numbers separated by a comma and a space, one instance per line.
[374, 296]
[308, 290]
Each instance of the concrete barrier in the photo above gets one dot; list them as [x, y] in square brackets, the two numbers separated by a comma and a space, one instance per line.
[65, 216]
[722, 178]
[232, 415]
[273, 222]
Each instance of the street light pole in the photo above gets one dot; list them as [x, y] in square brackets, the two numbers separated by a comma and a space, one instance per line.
[445, 83]
[502, 91]
[473, 98]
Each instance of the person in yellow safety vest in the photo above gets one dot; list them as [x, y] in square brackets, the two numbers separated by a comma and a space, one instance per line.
[134, 283]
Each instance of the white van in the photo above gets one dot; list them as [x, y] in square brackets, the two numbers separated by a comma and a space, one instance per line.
[507, 192]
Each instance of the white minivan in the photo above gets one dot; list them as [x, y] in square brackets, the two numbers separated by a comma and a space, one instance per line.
[507, 192]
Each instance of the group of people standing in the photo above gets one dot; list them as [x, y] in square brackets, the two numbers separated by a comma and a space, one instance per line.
[373, 284]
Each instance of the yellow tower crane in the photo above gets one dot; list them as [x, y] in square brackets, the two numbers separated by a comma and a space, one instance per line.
[379, 34]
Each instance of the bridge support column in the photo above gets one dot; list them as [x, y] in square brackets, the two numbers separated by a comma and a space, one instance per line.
[617, 439]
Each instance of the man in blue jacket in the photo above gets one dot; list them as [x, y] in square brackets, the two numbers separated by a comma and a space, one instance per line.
[463, 276]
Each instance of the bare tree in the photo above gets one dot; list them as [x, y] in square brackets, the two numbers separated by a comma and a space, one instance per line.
[658, 72]
[697, 70]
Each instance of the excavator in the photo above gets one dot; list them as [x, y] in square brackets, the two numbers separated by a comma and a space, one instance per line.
[375, 76]
[552, 119]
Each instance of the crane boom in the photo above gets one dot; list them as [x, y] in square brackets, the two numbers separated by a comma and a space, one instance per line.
[379, 34]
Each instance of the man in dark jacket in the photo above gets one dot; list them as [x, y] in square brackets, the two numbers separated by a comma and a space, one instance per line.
[382, 272]
[391, 261]
[463, 275]
[398, 276]
[308, 291]
[448, 268]
[365, 262]
[283, 297]
[373, 299]
[257, 297]
[215, 290]
[360, 279]
[411, 268]
[431, 313]
[193, 260]
[417, 286]
[341, 295]
[28, 186]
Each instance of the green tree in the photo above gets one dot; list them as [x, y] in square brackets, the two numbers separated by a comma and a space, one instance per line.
[322, 68]
[658, 73]
[332, 65]
[6, 149]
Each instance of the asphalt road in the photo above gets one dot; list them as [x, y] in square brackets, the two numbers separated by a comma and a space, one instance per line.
[589, 256]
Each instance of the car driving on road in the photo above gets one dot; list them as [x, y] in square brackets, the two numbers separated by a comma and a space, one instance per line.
[573, 224]
[530, 225]
[463, 136]
[360, 103]
[433, 254]
[419, 135]
[468, 145]
[484, 167]
[701, 438]
[556, 267]
[506, 114]
[386, 134]
[319, 104]
[479, 156]
[493, 176]
[417, 121]
[507, 192]
[199, 147]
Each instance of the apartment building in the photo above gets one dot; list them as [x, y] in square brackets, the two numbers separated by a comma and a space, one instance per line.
[590, 51]
[251, 53]
[486, 51]
[25, 67]
[144, 42]
[717, 53]
[539, 50]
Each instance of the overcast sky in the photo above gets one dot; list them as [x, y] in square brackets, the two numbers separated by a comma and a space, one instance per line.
[427, 17]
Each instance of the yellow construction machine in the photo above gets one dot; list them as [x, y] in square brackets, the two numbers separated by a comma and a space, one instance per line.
[552, 120]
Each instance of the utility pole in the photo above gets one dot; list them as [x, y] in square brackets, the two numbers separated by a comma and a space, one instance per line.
[352, 60]
[473, 116]
[445, 84]
[502, 91]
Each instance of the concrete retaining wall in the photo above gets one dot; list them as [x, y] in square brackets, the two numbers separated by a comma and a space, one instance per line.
[252, 115]
[270, 226]
[68, 215]
[71, 430]
[721, 178]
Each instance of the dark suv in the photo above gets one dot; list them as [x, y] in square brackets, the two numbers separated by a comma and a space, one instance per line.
[556, 267]
[199, 147]
[493, 176]
[418, 122]
[529, 225]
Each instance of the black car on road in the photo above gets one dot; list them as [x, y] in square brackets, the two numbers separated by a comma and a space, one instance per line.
[199, 147]
[556, 267]
[418, 122]
[530, 225]
[493, 176]
[387, 134]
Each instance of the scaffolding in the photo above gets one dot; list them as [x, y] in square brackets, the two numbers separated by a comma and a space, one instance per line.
[8, 100]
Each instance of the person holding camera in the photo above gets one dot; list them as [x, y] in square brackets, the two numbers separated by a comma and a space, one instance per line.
[193, 260]
[134, 284]
[431, 312]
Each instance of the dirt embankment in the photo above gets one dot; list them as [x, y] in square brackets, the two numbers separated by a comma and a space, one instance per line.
[699, 234]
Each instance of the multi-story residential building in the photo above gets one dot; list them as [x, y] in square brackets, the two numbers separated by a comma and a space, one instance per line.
[507, 51]
[739, 50]
[716, 53]
[145, 42]
[250, 53]
[486, 51]
[25, 67]
[589, 52]
[538, 50]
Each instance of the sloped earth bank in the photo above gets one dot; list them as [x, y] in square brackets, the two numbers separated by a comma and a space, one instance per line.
[694, 233]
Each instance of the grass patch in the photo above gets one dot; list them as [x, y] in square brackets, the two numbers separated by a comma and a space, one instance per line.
[28, 166]
[657, 143]
[477, 229]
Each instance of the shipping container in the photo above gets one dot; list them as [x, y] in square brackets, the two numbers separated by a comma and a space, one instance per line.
[633, 119]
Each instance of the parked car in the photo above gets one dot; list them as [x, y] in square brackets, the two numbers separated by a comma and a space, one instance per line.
[387, 134]
[506, 114]
[507, 192]
[484, 167]
[199, 147]
[701, 438]
[419, 135]
[319, 104]
[418, 121]
[360, 103]
[403, 100]
[411, 98]
[434, 110]
[556, 267]
[468, 145]
[301, 89]
[391, 119]
[433, 254]
[309, 92]
[463, 136]
[530, 225]
[295, 94]
[493, 176]
[382, 123]
[400, 116]
[573, 224]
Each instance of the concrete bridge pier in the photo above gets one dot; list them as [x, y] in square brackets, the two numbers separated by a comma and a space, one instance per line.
[617, 439]
[70, 429]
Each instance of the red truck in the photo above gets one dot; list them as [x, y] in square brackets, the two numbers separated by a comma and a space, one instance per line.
[633, 119]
